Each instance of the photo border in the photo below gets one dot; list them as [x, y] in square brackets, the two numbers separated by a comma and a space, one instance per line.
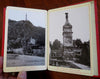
[93, 70]
[22, 68]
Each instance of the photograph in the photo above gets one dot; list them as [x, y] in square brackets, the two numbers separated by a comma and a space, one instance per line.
[25, 38]
[69, 38]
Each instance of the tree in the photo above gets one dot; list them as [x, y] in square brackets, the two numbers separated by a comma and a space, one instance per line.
[50, 45]
[85, 54]
[78, 43]
[56, 44]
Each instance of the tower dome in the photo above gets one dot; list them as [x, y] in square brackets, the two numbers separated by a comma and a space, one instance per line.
[67, 24]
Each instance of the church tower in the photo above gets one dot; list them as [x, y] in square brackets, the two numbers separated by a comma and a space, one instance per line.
[67, 37]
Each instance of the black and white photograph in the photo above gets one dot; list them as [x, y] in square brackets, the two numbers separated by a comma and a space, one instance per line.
[69, 38]
[26, 38]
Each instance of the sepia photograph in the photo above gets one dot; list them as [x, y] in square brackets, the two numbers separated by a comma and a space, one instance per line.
[69, 38]
[26, 38]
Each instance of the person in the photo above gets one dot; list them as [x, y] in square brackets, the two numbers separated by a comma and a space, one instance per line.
[21, 75]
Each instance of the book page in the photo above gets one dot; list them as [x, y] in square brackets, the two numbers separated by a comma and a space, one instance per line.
[25, 39]
[71, 35]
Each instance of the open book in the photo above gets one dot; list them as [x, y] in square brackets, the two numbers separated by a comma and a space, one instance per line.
[62, 39]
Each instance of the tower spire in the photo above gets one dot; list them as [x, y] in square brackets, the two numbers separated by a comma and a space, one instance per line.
[26, 17]
[66, 16]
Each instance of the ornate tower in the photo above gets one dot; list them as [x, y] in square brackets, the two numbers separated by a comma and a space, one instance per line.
[67, 37]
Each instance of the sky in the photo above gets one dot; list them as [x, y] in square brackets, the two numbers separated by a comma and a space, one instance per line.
[38, 18]
[78, 18]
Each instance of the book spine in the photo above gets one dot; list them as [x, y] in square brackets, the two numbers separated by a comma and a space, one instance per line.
[3, 33]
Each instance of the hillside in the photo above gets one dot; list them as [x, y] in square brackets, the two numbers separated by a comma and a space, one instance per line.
[24, 30]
